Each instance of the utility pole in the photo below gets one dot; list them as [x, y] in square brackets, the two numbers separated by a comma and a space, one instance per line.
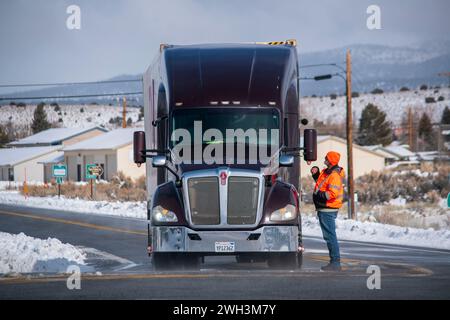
[351, 193]
[411, 130]
[124, 113]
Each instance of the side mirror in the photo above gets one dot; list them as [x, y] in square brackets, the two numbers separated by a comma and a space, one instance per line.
[159, 161]
[286, 160]
[139, 147]
[310, 145]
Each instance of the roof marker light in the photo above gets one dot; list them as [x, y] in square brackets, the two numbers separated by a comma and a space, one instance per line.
[236, 102]
[225, 102]
[272, 103]
[178, 104]
[214, 103]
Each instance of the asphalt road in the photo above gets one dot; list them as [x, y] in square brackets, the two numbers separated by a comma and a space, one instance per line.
[116, 248]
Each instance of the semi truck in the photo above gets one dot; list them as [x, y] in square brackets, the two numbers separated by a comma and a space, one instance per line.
[230, 202]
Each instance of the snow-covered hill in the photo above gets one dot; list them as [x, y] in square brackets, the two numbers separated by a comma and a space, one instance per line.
[69, 116]
[395, 104]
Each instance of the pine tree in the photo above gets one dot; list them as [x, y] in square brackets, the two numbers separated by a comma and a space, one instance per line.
[40, 122]
[373, 127]
[4, 139]
[445, 116]
[425, 131]
[425, 126]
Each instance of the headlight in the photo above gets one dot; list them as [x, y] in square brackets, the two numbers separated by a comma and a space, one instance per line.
[284, 214]
[163, 215]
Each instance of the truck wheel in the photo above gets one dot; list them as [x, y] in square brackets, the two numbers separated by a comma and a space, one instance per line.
[188, 262]
[282, 260]
[243, 258]
[161, 261]
[299, 260]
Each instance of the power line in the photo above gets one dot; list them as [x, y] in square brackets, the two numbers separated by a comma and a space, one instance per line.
[65, 83]
[71, 97]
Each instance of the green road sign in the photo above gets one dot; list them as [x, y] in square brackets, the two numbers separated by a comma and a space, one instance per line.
[448, 200]
[93, 171]
[59, 170]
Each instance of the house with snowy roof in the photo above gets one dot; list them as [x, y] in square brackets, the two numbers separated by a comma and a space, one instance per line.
[58, 137]
[25, 164]
[113, 151]
[364, 160]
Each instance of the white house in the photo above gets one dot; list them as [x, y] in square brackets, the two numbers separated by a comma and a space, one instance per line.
[58, 137]
[113, 151]
[364, 160]
[20, 164]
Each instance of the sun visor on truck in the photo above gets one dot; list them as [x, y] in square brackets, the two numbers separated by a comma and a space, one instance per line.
[238, 75]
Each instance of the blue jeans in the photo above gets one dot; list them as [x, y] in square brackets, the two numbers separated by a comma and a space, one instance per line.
[328, 226]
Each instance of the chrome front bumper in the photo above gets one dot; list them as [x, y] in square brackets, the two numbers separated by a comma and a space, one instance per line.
[183, 239]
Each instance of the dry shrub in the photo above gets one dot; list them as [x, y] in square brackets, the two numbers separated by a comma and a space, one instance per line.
[430, 184]
[121, 188]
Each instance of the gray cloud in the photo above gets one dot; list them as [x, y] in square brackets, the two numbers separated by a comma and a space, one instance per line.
[123, 36]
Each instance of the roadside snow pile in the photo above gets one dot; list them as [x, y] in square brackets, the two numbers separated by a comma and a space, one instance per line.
[22, 254]
[398, 202]
[122, 209]
[381, 233]
[443, 204]
[346, 229]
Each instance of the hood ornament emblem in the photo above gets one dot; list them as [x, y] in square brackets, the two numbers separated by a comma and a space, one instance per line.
[223, 178]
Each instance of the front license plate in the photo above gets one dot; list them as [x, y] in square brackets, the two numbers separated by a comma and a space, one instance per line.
[225, 246]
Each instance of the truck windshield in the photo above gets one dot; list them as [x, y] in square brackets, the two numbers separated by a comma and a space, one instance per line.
[260, 125]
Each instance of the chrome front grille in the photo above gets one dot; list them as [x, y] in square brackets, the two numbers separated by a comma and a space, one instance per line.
[235, 201]
[204, 200]
[243, 196]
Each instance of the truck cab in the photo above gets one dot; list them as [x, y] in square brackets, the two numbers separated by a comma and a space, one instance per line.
[222, 130]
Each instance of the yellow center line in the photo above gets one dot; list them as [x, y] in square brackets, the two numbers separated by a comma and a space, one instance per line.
[72, 222]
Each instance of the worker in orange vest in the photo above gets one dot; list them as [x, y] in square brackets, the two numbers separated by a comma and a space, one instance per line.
[328, 196]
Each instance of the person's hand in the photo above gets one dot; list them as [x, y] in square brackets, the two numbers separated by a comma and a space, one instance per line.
[314, 170]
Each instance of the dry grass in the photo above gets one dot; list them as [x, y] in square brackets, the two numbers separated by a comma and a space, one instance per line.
[121, 188]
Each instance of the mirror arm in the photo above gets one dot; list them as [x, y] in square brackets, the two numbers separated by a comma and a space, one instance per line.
[146, 151]
[292, 151]
[173, 172]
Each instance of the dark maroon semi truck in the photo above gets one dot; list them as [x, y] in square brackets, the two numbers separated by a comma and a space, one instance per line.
[225, 204]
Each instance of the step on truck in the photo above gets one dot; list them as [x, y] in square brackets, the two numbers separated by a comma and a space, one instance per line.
[222, 152]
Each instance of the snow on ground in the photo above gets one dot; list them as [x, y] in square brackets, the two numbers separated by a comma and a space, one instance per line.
[22, 254]
[395, 104]
[381, 233]
[116, 208]
[69, 116]
[346, 229]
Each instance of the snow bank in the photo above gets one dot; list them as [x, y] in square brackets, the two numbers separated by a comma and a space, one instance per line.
[122, 209]
[398, 202]
[381, 233]
[346, 229]
[22, 254]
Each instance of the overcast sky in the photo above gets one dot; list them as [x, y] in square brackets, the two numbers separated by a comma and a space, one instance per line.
[123, 36]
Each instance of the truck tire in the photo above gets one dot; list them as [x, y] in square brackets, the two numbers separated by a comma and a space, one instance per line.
[162, 261]
[243, 258]
[175, 261]
[189, 262]
[251, 257]
[299, 260]
[282, 260]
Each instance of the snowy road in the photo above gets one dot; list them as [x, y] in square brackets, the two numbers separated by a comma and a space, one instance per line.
[115, 249]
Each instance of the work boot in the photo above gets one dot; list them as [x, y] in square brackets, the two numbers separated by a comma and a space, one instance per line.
[334, 267]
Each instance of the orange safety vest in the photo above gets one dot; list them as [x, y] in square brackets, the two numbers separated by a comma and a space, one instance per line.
[333, 184]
